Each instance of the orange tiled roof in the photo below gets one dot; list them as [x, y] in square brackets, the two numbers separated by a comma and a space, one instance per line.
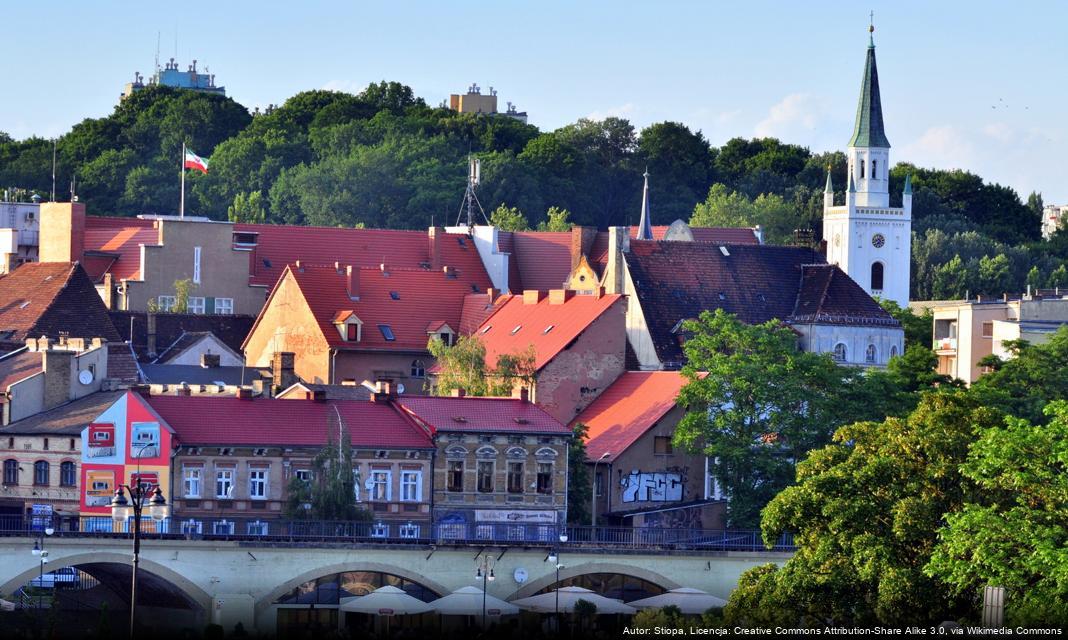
[627, 409]
[550, 328]
[117, 244]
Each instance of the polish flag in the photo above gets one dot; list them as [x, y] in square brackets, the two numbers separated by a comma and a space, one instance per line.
[193, 161]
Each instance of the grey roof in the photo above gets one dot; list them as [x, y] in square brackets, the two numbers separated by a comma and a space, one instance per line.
[645, 225]
[195, 374]
[66, 419]
[868, 131]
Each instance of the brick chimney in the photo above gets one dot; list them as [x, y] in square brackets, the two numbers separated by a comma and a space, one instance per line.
[108, 290]
[618, 244]
[62, 236]
[560, 296]
[532, 296]
[150, 346]
[283, 369]
[57, 364]
[434, 249]
[521, 393]
[386, 391]
[352, 282]
[581, 241]
[459, 393]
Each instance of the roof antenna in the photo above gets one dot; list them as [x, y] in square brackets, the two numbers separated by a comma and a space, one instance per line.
[474, 175]
[53, 170]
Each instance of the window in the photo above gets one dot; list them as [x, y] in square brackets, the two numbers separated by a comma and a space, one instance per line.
[356, 482]
[418, 369]
[988, 332]
[67, 474]
[196, 304]
[409, 530]
[72, 444]
[257, 483]
[222, 528]
[455, 475]
[45, 445]
[662, 445]
[839, 353]
[224, 306]
[380, 486]
[869, 354]
[379, 530]
[191, 481]
[11, 472]
[166, 303]
[352, 332]
[876, 276]
[224, 484]
[40, 473]
[598, 484]
[411, 485]
[257, 528]
[515, 477]
[893, 351]
[387, 332]
[545, 477]
[196, 265]
[303, 474]
[861, 168]
[875, 169]
[485, 476]
[190, 527]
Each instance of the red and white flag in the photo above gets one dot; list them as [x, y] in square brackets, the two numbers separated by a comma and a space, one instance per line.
[193, 161]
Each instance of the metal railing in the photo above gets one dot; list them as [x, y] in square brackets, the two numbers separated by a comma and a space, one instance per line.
[414, 532]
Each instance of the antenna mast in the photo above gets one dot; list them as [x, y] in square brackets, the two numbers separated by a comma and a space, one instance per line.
[157, 52]
[474, 176]
[53, 169]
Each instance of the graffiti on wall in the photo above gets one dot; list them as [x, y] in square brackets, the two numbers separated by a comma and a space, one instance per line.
[656, 486]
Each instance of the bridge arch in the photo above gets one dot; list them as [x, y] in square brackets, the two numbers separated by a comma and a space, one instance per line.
[265, 602]
[198, 599]
[548, 580]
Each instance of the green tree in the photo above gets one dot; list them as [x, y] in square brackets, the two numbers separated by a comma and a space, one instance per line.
[756, 404]
[1059, 278]
[951, 280]
[994, 277]
[331, 492]
[1015, 533]
[865, 512]
[1034, 279]
[665, 618]
[182, 288]
[463, 365]
[725, 208]
[556, 220]
[508, 218]
[578, 478]
[917, 327]
[1033, 377]
[247, 208]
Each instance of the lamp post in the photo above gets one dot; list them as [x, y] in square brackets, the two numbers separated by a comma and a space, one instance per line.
[42, 554]
[554, 558]
[593, 496]
[484, 572]
[143, 498]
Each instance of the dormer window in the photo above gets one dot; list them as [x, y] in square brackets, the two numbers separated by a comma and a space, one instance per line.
[352, 332]
[349, 326]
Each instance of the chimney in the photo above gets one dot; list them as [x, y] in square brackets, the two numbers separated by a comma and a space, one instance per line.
[450, 272]
[57, 376]
[532, 296]
[459, 393]
[618, 244]
[283, 373]
[209, 360]
[244, 393]
[385, 392]
[150, 347]
[108, 291]
[384, 268]
[352, 282]
[521, 393]
[183, 390]
[318, 395]
[76, 344]
[581, 241]
[492, 293]
[434, 235]
[62, 235]
[559, 296]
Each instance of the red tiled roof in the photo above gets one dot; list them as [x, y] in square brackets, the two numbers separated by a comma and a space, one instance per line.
[477, 307]
[49, 298]
[481, 414]
[515, 326]
[423, 297]
[121, 240]
[206, 420]
[18, 365]
[543, 259]
[627, 409]
[829, 296]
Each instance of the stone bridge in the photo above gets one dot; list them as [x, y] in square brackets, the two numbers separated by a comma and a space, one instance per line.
[201, 581]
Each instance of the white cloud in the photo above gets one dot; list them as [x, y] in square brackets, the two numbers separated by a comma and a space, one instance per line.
[794, 113]
[999, 131]
[622, 111]
[943, 146]
[348, 86]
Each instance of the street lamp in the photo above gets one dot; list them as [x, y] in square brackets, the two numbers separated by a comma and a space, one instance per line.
[42, 554]
[554, 558]
[484, 572]
[147, 499]
[593, 498]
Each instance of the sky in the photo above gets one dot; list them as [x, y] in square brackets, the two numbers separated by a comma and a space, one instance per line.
[975, 85]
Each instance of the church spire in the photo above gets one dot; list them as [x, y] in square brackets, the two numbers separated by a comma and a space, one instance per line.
[868, 130]
[828, 188]
[645, 225]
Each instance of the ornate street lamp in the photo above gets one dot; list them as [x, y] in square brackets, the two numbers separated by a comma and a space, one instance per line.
[554, 558]
[484, 572]
[146, 499]
[42, 554]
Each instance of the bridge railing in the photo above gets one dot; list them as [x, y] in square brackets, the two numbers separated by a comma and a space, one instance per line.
[403, 532]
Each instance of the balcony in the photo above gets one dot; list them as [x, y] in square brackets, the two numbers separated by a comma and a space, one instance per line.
[945, 346]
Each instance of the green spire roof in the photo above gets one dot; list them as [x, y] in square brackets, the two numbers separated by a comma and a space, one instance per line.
[852, 187]
[908, 184]
[868, 131]
[828, 188]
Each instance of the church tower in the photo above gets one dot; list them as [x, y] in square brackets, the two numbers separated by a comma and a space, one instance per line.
[867, 238]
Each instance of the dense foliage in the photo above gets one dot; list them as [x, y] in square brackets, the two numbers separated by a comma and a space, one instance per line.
[384, 158]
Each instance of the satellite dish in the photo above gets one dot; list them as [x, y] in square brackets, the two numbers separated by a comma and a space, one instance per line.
[85, 376]
[400, 388]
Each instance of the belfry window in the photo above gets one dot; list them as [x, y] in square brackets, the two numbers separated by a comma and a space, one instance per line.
[876, 276]
[861, 168]
[875, 169]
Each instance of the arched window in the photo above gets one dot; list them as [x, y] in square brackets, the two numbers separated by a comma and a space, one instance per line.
[893, 351]
[40, 473]
[869, 354]
[418, 369]
[66, 474]
[839, 352]
[861, 168]
[11, 471]
[876, 276]
[875, 169]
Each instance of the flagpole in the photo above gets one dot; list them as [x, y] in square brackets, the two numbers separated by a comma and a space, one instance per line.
[181, 201]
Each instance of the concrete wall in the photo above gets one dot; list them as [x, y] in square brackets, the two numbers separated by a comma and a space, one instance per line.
[223, 269]
[577, 375]
[287, 324]
[208, 344]
[817, 338]
[27, 398]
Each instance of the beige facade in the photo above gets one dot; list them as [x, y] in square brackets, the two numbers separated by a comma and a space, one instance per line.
[967, 331]
[40, 469]
[288, 325]
[69, 369]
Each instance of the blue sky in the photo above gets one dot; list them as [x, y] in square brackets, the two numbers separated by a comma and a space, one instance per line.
[975, 85]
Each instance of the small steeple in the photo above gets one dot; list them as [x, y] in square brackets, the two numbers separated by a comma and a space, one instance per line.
[908, 185]
[828, 188]
[645, 225]
[868, 130]
[852, 186]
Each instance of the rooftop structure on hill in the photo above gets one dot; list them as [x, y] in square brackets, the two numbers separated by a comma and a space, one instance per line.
[169, 75]
[474, 101]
